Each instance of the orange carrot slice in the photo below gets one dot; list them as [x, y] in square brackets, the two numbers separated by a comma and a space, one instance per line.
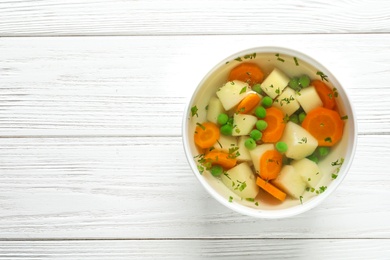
[224, 159]
[271, 189]
[247, 72]
[206, 135]
[248, 103]
[270, 164]
[325, 125]
[325, 93]
[274, 131]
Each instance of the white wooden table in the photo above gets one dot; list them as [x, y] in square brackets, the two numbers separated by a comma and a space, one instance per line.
[92, 95]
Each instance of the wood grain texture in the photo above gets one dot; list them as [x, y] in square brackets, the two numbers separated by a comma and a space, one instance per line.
[198, 249]
[122, 86]
[103, 188]
[120, 17]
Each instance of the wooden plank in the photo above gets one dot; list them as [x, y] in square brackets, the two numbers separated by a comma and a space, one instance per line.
[167, 17]
[138, 86]
[102, 188]
[196, 249]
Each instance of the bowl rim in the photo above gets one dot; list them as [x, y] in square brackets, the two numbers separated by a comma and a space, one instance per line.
[276, 213]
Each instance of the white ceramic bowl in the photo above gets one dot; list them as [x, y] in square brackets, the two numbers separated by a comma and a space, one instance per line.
[268, 58]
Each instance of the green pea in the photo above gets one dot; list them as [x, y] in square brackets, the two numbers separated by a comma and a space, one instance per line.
[294, 118]
[250, 144]
[301, 117]
[216, 170]
[222, 119]
[256, 134]
[304, 81]
[294, 84]
[267, 102]
[323, 151]
[226, 129]
[261, 125]
[313, 158]
[257, 88]
[260, 112]
[281, 147]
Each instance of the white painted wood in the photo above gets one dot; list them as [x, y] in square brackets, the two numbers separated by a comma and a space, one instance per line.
[143, 188]
[199, 249]
[167, 17]
[138, 86]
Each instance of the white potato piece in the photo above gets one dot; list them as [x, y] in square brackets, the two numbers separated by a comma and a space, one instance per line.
[275, 83]
[309, 171]
[241, 180]
[243, 124]
[214, 109]
[225, 143]
[243, 151]
[290, 182]
[232, 93]
[309, 99]
[257, 153]
[300, 143]
[287, 101]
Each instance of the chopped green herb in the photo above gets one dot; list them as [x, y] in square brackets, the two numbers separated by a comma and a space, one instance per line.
[303, 140]
[296, 61]
[243, 90]
[335, 93]
[201, 126]
[200, 169]
[220, 145]
[194, 111]
[277, 91]
[206, 107]
[334, 176]
[278, 57]
[344, 117]
[227, 175]
[242, 186]
[308, 179]
[230, 198]
[328, 139]
[233, 152]
[322, 75]
[286, 100]
[250, 199]
[256, 203]
[300, 199]
[321, 189]
[337, 162]
[238, 59]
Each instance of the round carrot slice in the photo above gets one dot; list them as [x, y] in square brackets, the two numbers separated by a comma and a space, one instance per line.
[248, 103]
[270, 164]
[325, 93]
[206, 135]
[247, 72]
[325, 125]
[224, 159]
[275, 125]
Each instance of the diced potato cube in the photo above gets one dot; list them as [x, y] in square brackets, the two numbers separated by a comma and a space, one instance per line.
[309, 171]
[242, 150]
[275, 83]
[214, 109]
[309, 99]
[232, 93]
[300, 143]
[287, 101]
[225, 143]
[290, 182]
[241, 180]
[257, 153]
[243, 124]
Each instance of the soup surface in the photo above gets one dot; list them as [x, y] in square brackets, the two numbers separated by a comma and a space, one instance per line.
[268, 130]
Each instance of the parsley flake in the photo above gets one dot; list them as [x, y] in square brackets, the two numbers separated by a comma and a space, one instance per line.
[296, 61]
[230, 198]
[194, 111]
[243, 90]
[322, 75]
